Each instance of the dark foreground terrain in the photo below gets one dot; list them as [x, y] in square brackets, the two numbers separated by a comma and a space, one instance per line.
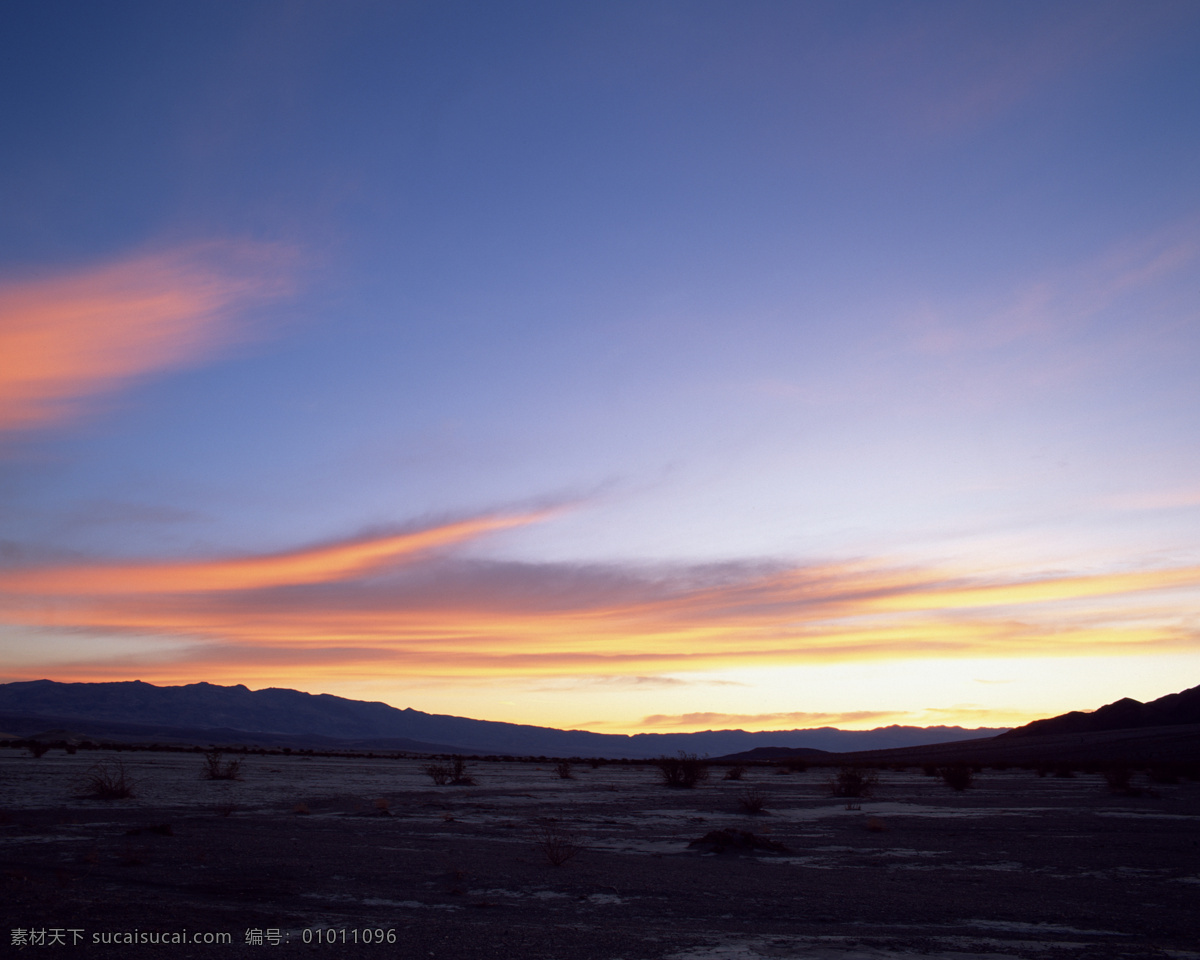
[303, 850]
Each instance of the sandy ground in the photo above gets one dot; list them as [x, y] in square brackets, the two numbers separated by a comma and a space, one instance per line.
[313, 850]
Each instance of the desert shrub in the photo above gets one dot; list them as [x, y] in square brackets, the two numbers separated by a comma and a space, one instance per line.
[38, 748]
[929, 769]
[1064, 771]
[852, 782]
[736, 842]
[735, 773]
[1120, 780]
[796, 766]
[1164, 773]
[458, 773]
[957, 776]
[557, 842]
[563, 769]
[107, 780]
[224, 809]
[684, 771]
[454, 773]
[217, 769]
[875, 825]
[753, 801]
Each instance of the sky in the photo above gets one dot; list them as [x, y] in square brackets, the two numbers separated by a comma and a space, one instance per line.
[628, 366]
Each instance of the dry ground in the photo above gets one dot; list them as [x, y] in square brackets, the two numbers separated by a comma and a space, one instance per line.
[1018, 866]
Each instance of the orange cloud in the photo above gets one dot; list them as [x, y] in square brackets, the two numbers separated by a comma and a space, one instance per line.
[397, 604]
[327, 564]
[776, 721]
[72, 336]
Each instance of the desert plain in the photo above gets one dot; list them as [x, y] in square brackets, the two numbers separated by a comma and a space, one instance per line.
[367, 857]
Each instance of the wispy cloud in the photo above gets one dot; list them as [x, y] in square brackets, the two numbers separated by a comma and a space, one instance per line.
[1056, 304]
[70, 337]
[777, 721]
[400, 603]
[957, 72]
[330, 563]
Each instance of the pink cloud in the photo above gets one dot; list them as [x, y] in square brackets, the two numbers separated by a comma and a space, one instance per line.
[70, 337]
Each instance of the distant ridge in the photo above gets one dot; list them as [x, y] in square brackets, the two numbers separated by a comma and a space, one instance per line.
[1123, 714]
[197, 710]
[1166, 730]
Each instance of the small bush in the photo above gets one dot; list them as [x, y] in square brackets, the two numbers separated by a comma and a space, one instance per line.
[216, 769]
[735, 773]
[683, 771]
[875, 825]
[929, 769]
[38, 748]
[753, 801]
[957, 776]
[454, 773]
[558, 843]
[301, 809]
[1118, 778]
[563, 769]
[1064, 771]
[736, 842]
[852, 782]
[1163, 773]
[107, 780]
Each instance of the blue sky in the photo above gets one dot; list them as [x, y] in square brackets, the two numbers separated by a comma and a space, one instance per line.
[722, 329]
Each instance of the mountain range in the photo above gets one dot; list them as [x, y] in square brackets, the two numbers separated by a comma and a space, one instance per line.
[1124, 714]
[208, 713]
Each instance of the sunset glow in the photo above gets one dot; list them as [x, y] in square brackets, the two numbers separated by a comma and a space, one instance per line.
[627, 366]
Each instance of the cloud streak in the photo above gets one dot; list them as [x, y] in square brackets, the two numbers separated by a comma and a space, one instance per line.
[777, 721]
[330, 563]
[404, 604]
[70, 337]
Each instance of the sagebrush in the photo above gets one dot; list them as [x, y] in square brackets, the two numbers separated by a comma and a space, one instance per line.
[685, 770]
[108, 780]
[217, 769]
[557, 841]
[957, 776]
[454, 773]
[853, 782]
[753, 801]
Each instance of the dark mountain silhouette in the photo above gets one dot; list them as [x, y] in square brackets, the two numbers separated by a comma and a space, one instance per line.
[196, 710]
[1124, 714]
[1166, 730]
